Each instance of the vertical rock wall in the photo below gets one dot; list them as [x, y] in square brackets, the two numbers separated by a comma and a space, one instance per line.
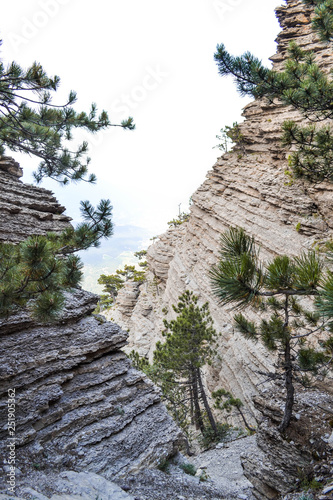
[247, 188]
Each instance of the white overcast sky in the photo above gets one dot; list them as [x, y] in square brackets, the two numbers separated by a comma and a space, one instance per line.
[150, 59]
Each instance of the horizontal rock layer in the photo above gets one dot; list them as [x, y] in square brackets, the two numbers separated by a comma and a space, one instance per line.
[26, 209]
[283, 463]
[79, 403]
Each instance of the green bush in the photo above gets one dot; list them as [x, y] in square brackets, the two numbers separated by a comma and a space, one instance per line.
[189, 469]
[209, 437]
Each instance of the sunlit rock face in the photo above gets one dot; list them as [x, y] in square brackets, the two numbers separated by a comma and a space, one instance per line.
[247, 188]
[79, 404]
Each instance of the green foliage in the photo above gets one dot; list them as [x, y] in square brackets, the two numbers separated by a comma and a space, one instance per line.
[182, 217]
[229, 137]
[314, 155]
[115, 282]
[310, 359]
[189, 338]
[303, 85]
[323, 17]
[325, 299]
[38, 270]
[129, 273]
[190, 341]
[30, 123]
[237, 277]
[224, 400]
[240, 279]
[112, 284]
[204, 476]
[140, 254]
[140, 363]
[189, 469]
[246, 327]
[164, 466]
[211, 436]
[189, 345]
[35, 273]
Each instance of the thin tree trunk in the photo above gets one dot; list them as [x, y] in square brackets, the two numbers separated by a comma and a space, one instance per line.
[289, 376]
[290, 390]
[191, 404]
[197, 412]
[251, 429]
[205, 402]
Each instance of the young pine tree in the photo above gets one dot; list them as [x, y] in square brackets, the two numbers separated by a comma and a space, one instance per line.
[189, 345]
[240, 278]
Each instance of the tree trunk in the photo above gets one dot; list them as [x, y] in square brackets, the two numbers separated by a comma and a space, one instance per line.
[251, 429]
[205, 402]
[191, 403]
[290, 390]
[197, 412]
[288, 408]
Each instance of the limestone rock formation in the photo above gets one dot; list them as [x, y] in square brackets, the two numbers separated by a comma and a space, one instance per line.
[69, 485]
[79, 404]
[26, 208]
[282, 464]
[247, 187]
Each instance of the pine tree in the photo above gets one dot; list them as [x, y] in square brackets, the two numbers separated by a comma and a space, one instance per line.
[224, 400]
[36, 272]
[303, 85]
[241, 279]
[30, 123]
[189, 345]
[115, 282]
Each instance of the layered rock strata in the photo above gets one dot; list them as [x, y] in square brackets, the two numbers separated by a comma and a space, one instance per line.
[247, 187]
[26, 209]
[301, 458]
[78, 402]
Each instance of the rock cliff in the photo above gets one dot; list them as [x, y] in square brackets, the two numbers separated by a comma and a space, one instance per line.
[79, 404]
[247, 187]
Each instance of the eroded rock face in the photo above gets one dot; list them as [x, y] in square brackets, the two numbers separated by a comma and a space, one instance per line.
[284, 463]
[79, 404]
[247, 188]
[25, 209]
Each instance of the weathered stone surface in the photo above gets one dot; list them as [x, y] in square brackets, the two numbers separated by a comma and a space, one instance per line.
[247, 188]
[70, 485]
[282, 462]
[79, 403]
[25, 209]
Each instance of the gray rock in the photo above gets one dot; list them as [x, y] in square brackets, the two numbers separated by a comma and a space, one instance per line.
[79, 402]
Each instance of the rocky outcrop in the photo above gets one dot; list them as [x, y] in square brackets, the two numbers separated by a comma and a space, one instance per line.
[247, 187]
[78, 403]
[26, 209]
[301, 458]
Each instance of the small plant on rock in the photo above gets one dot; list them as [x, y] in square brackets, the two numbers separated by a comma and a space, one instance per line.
[189, 469]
